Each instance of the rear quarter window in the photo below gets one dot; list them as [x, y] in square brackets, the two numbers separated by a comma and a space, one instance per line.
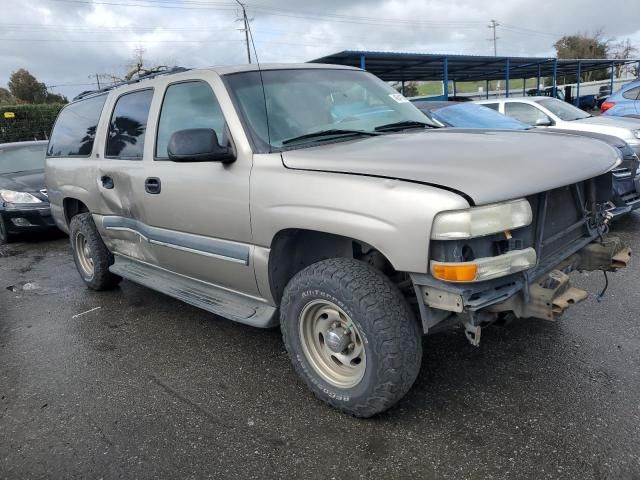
[632, 94]
[75, 128]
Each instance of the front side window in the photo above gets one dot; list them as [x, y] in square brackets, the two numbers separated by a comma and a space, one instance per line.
[563, 110]
[188, 105]
[75, 128]
[524, 112]
[22, 158]
[128, 124]
[305, 101]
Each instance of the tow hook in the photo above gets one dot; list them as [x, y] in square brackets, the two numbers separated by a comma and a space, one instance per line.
[472, 332]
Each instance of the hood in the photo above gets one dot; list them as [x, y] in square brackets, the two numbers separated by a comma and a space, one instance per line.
[30, 181]
[485, 166]
[620, 127]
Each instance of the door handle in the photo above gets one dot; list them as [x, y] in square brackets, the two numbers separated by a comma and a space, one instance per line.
[152, 185]
[107, 182]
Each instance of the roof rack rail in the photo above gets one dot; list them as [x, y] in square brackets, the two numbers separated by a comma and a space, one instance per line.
[145, 76]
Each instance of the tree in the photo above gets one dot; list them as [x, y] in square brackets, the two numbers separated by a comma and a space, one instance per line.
[624, 50]
[56, 98]
[26, 88]
[5, 97]
[583, 45]
[411, 89]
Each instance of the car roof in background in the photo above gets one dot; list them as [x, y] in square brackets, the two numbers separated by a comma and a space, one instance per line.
[431, 105]
[30, 143]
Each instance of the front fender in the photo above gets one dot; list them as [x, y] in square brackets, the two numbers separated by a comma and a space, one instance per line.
[393, 216]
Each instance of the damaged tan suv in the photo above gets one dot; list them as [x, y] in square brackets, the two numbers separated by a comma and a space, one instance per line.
[318, 198]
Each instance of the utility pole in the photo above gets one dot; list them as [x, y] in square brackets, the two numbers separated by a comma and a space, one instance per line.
[493, 25]
[245, 20]
[97, 75]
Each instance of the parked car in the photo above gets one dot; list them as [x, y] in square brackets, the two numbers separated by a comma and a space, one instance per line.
[626, 177]
[356, 234]
[603, 92]
[585, 102]
[625, 102]
[24, 206]
[555, 114]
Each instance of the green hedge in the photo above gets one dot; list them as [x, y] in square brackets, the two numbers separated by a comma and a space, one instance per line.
[30, 122]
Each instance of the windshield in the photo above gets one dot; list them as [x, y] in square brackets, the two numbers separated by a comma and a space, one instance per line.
[23, 158]
[562, 110]
[470, 115]
[304, 101]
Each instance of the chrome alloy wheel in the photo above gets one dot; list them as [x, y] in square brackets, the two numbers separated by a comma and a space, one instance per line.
[332, 344]
[81, 247]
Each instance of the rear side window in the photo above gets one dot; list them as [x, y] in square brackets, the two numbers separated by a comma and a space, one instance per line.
[75, 128]
[188, 105]
[125, 140]
[492, 106]
[524, 112]
[632, 94]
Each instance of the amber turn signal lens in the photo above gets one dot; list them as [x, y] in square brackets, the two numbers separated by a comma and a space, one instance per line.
[455, 273]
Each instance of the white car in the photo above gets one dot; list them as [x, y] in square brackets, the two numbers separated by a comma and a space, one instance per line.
[553, 113]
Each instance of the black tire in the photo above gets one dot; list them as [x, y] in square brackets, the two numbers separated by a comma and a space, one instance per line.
[5, 236]
[388, 327]
[101, 278]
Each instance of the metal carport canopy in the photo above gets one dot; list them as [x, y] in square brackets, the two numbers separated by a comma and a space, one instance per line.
[400, 66]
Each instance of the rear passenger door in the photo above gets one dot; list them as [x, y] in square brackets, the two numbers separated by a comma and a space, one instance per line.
[121, 173]
[197, 213]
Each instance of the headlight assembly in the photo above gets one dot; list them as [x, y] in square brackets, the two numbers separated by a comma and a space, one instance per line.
[481, 221]
[10, 196]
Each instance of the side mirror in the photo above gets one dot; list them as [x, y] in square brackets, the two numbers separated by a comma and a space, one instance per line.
[543, 122]
[198, 145]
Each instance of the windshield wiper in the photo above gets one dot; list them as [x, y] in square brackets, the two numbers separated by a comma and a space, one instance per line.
[333, 132]
[403, 125]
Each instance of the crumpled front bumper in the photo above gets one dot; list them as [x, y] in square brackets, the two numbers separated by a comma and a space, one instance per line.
[544, 292]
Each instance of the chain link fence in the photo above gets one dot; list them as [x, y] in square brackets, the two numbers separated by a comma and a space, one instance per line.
[27, 122]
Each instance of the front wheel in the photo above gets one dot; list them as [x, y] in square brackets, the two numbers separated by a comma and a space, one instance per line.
[351, 336]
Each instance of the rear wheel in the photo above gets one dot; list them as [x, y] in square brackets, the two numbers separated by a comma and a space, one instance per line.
[351, 336]
[91, 256]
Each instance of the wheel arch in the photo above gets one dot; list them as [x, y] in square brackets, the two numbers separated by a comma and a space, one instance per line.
[72, 207]
[294, 249]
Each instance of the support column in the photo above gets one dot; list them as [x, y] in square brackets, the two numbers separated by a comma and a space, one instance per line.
[613, 73]
[455, 89]
[363, 62]
[538, 84]
[506, 77]
[576, 102]
[486, 87]
[445, 78]
[555, 77]
[524, 87]
[402, 87]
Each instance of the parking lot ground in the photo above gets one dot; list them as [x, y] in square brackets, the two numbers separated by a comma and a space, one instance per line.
[133, 384]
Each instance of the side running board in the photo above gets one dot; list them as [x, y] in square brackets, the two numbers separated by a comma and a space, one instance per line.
[233, 306]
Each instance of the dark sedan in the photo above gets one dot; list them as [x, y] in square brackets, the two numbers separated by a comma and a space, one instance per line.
[626, 177]
[24, 206]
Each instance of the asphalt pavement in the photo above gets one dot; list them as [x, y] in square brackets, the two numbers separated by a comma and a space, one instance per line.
[133, 384]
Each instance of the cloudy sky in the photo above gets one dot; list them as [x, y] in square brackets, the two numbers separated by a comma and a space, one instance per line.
[64, 42]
